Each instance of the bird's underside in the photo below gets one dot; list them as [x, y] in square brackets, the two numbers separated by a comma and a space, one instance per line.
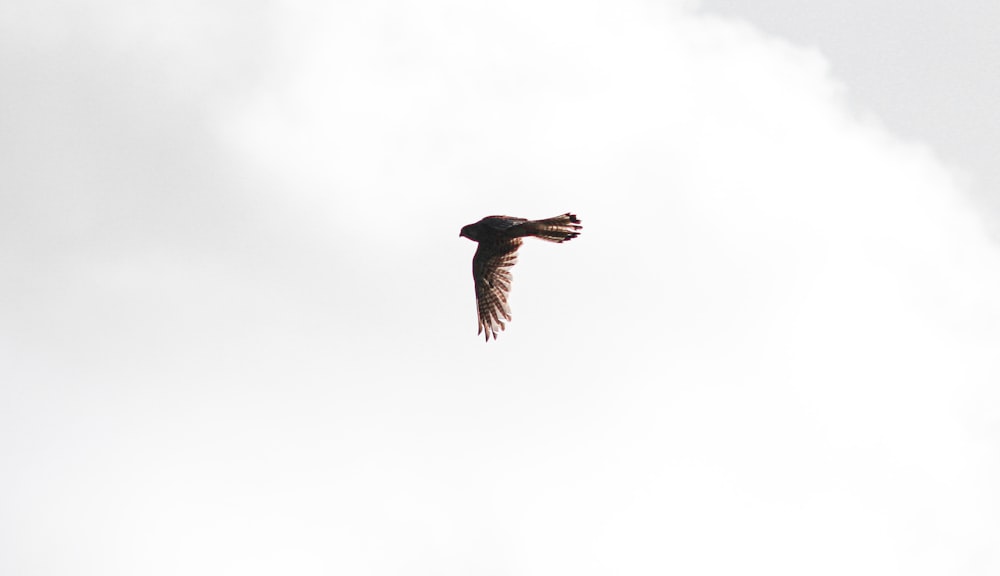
[499, 237]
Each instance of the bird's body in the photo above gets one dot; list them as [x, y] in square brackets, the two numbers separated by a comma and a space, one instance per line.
[499, 237]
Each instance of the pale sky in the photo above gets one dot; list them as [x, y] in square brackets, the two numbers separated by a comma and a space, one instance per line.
[238, 331]
[926, 68]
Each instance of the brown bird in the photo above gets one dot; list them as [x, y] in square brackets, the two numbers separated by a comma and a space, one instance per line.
[499, 237]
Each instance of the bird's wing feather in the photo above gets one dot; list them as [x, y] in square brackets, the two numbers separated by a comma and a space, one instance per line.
[490, 269]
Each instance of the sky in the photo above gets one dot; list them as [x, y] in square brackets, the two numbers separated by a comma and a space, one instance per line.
[924, 68]
[237, 332]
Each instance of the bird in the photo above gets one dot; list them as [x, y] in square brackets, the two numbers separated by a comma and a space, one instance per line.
[499, 237]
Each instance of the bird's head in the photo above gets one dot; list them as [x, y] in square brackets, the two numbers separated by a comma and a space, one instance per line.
[469, 232]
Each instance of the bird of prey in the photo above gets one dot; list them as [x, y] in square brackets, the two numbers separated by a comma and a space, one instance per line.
[499, 237]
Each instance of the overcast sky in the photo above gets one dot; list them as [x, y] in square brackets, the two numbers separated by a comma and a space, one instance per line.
[238, 331]
[925, 68]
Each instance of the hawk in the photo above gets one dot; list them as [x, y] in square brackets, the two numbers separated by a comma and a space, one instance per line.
[499, 237]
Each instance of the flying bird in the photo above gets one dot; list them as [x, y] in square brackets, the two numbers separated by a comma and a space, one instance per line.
[499, 237]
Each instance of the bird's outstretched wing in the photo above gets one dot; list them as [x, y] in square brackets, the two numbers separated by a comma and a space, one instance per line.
[490, 268]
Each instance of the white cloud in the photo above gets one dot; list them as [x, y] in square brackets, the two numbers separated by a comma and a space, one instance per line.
[240, 335]
[924, 67]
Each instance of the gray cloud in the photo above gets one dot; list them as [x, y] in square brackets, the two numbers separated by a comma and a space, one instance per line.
[924, 68]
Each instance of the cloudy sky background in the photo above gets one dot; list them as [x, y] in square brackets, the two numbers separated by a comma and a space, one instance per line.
[926, 69]
[237, 332]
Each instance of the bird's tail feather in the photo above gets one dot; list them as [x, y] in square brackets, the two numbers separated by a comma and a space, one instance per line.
[557, 229]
